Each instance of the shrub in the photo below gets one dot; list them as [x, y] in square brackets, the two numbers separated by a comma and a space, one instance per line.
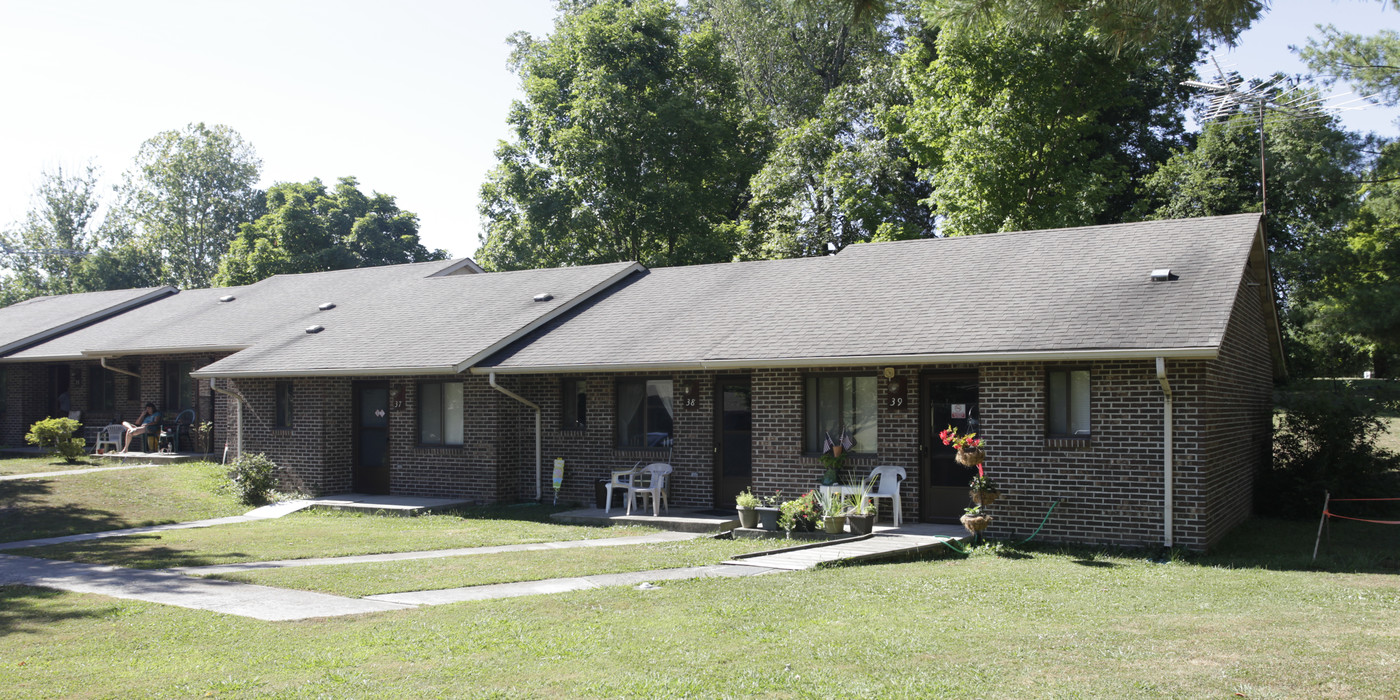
[253, 477]
[58, 434]
[1324, 441]
[801, 513]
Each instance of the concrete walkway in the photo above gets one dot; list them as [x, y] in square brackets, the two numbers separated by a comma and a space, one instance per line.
[275, 510]
[247, 600]
[70, 472]
[436, 553]
[563, 585]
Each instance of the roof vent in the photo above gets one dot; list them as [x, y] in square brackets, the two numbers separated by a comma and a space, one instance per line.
[315, 329]
[543, 296]
[1163, 275]
[326, 306]
[226, 298]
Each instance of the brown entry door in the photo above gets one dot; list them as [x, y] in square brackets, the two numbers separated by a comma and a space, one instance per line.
[734, 439]
[371, 435]
[951, 400]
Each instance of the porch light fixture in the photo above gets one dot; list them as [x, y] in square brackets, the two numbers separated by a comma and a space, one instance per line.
[1163, 275]
[226, 298]
[326, 306]
[315, 329]
[543, 296]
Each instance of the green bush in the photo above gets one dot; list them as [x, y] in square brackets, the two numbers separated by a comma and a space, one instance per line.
[1325, 440]
[253, 477]
[801, 513]
[58, 434]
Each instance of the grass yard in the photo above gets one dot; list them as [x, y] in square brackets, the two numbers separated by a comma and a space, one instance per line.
[431, 574]
[66, 505]
[37, 465]
[1035, 622]
[319, 533]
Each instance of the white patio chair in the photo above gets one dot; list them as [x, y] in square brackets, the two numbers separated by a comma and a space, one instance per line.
[621, 479]
[890, 478]
[110, 437]
[651, 483]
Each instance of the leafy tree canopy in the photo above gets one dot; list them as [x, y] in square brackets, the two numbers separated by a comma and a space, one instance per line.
[1118, 23]
[1371, 63]
[44, 254]
[308, 228]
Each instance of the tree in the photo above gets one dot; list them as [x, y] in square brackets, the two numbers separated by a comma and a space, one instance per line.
[1371, 63]
[1016, 130]
[822, 75]
[1119, 23]
[628, 145]
[187, 195]
[310, 229]
[45, 253]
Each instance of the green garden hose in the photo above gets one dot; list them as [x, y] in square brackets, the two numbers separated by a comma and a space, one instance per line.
[949, 542]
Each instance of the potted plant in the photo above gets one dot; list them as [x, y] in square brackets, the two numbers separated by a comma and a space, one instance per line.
[984, 491]
[834, 458]
[768, 512]
[861, 517]
[833, 507]
[747, 504]
[969, 447]
[975, 521]
[801, 513]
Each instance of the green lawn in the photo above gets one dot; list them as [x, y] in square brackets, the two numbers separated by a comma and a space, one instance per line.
[1036, 622]
[36, 465]
[65, 505]
[331, 534]
[431, 574]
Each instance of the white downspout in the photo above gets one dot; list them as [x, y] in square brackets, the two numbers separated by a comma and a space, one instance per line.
[1166, 451]
[539, 490]
[238, 409]
[103, 361]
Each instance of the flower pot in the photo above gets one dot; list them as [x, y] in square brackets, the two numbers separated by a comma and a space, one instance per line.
[748, 518]
[834, 524]
[984, 498]
[861, 524]
[975, 523]
[971, 456]
[830, 477]
[768, 518]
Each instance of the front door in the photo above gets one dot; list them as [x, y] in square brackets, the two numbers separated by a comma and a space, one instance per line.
[734, 439]
[951, 401]
[60, 401]
[370, 473]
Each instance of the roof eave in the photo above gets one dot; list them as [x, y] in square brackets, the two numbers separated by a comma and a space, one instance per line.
[331, 372]
[93, 317]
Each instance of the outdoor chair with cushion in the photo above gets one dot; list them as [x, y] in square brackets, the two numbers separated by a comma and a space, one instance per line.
[889, 479]
[109, 438]
[652, 484]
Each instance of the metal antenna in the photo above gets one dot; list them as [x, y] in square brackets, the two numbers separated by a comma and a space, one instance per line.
[1283, 97]
[7, 250]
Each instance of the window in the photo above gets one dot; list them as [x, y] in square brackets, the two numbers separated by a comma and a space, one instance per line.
[179, 387]
[103, 392]
[283, 418]
[133, 384]
[4, 387]
[646, 410]
[573, 407]
[1067, 403]
[834, 405]
[440, 418]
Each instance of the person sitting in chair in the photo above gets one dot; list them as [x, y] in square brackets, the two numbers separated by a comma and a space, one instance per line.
[148, 423]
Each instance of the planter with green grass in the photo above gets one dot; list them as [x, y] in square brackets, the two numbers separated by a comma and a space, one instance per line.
[861, 516]
[747, 505]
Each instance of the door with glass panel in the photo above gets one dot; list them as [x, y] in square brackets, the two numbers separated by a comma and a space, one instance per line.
[370, 471]
[949, 400]
[734, 439]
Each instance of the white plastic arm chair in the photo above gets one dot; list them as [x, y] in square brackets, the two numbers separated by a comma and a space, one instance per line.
[110, 437]
[888, 487]
[651, 483]
[621, 479]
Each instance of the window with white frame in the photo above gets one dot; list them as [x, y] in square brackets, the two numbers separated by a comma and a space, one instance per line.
[837, 405]
[440, 413]
[1067, 403]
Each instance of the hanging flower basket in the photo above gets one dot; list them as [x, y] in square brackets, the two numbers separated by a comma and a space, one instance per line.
[975, 523]
[971, 456]
[984, 498]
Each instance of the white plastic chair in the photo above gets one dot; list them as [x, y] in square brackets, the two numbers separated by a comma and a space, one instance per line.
[888, 487]
[651, 483]
[621, 479]
[111, 437]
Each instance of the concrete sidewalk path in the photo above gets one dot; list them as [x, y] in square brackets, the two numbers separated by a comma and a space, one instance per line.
[275, 510]
[563, 585]
[247, 600]
[438, 553]
[69, 472]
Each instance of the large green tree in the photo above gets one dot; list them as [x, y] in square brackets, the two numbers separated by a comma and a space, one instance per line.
[187, 194]
[309, 228]
[44, 254]
[1118, 23]
[629, 144]
[1024, 130]
[1370, 62]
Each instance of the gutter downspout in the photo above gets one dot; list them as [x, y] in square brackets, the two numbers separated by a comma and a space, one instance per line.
[103, 361]
[238, 408]
[539, 492]
[1166, 451]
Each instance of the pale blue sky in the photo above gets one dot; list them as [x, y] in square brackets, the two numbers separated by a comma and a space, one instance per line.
[410, 97]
